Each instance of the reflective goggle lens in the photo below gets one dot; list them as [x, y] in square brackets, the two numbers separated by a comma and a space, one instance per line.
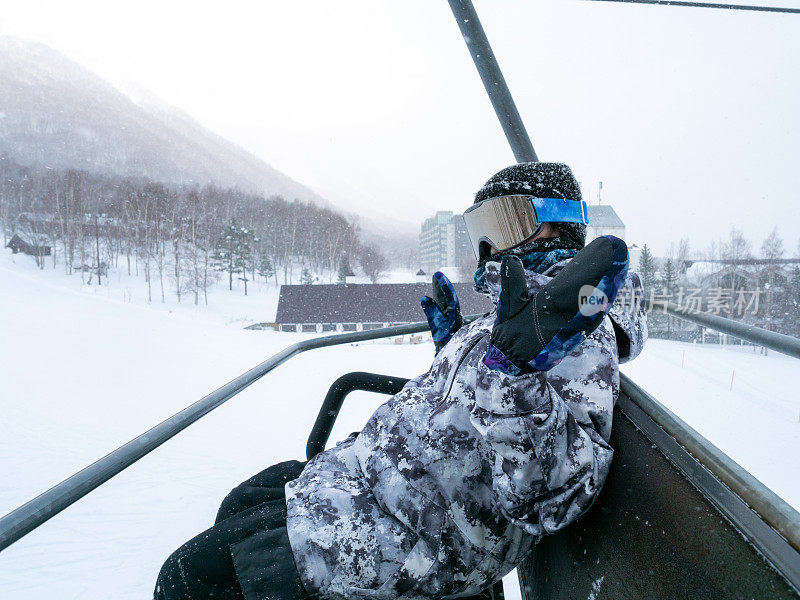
[507, 221]
[503, 222]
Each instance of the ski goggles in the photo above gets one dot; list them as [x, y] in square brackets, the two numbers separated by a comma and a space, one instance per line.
[506, 221]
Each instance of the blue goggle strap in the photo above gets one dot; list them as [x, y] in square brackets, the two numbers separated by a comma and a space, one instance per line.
[559, 210]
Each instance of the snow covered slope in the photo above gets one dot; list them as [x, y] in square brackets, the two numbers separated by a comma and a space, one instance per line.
[56, 113]
[82, 373]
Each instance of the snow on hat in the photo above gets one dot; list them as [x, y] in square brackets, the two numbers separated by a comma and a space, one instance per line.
[543, 180]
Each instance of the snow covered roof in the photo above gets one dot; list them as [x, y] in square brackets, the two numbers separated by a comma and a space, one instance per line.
[603, 215]
[20, 244]
[700, 271]
[366, 302]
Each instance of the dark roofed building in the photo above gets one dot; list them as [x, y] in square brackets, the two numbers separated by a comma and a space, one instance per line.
[17, 244]
[354, 307]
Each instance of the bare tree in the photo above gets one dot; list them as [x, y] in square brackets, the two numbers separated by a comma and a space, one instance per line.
[771, 251]
[736, 247]
[373, 262]
[98, 264]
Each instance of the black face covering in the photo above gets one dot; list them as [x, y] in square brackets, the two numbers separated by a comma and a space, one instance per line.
[537, 245]
[538, 255]
[575, 232]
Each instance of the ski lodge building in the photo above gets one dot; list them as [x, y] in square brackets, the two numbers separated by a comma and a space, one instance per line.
[603, 220]
[362, 306]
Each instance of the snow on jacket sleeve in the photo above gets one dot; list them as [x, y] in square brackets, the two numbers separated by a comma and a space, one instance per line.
[547, 468]
[629, 318]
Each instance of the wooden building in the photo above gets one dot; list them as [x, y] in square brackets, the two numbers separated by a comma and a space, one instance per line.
[17, 245]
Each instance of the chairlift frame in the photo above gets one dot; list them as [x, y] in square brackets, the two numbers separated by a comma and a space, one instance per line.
[717, 5]
[736, 518]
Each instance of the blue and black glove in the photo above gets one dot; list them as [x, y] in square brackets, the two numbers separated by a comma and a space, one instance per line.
[443, 310]
[533, 333]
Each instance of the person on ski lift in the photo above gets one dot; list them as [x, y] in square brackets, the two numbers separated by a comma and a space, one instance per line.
[454, 479]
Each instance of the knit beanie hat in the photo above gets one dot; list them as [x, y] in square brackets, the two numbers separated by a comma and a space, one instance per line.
[543, 180]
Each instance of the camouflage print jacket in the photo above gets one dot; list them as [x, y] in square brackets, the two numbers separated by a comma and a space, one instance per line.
[456, 477]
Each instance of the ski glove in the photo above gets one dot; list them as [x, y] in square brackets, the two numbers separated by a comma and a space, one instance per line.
[533, 333]
[443, 310]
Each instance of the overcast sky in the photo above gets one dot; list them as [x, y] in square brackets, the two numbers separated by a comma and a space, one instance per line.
[689, 116]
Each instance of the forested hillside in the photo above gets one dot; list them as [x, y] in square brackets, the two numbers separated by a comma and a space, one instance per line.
[176, 237]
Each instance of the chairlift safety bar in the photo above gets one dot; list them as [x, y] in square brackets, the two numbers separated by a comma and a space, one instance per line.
[785, 344]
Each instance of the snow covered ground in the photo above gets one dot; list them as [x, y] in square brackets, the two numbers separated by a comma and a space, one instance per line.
[83, 370]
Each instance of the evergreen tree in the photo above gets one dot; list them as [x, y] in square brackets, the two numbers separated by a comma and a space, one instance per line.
[647, 268]
[265, 267]
[344, 269]
[233, 252]
[305, 277]
[669, 280]
[224, 255]
[793, 308]
[669, 277]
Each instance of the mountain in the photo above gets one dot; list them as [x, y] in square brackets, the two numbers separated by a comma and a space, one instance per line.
[57, 113]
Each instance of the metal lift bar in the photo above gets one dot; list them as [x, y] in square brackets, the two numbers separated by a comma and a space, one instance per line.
[33, 513]
[785, 344]
[777, 9]
[367, 382]
[493, 80]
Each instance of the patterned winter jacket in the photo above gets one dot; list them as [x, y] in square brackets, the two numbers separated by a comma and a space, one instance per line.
[455, 478]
